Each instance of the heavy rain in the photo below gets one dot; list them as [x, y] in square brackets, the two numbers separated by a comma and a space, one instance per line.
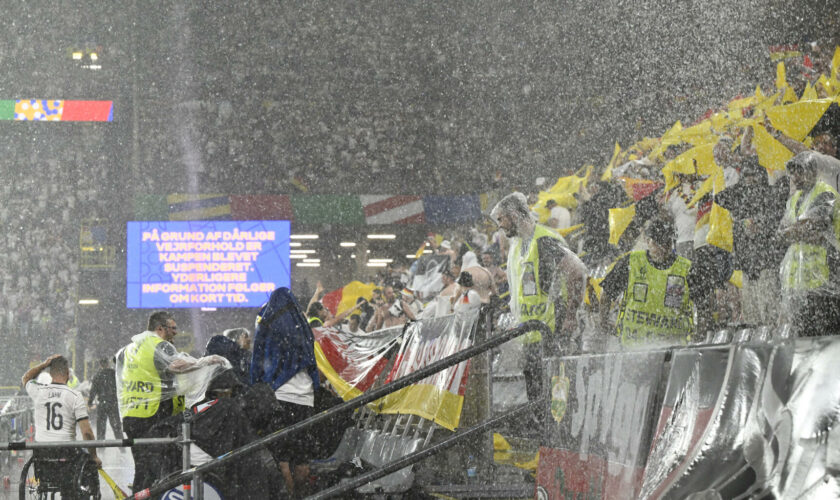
[420, 249]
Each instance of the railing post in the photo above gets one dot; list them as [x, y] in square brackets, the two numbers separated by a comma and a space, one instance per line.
[185, 453]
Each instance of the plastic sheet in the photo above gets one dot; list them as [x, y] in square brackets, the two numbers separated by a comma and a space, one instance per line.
[352, 363]
[169, 375]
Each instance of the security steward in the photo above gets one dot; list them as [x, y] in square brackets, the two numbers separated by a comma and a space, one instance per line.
[546, 280]
[146, 371]
[809, 270]
[658, 291]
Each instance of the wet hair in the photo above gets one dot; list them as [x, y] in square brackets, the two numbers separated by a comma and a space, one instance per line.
[356, 317]
[235, 334]
[59, 367]
[315, 309]
[514, 204]
[157, 319]
[804, 160]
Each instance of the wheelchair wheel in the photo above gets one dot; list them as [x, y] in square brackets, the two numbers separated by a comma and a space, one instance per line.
[87, 480]
[30, 487]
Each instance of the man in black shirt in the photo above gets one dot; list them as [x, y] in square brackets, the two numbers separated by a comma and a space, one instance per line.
[104, 389]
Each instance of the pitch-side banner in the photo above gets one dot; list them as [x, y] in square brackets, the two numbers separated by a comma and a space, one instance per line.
[440, 397]
[599, 424]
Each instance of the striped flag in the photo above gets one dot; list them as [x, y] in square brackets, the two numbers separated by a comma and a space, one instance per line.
[198, 207]
[385, 209]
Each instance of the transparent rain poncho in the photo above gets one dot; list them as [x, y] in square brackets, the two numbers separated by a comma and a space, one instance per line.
[170, 374]
[805, 268]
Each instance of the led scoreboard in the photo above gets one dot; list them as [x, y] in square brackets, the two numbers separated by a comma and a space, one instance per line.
[205, 263]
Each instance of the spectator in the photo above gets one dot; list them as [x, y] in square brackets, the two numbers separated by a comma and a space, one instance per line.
[559, 217]
[757, 208]
[104, 389]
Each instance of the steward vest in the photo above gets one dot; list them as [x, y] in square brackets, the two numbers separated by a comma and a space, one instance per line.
[141, 384]
[656, 303]
[805, 266]
[533, 300]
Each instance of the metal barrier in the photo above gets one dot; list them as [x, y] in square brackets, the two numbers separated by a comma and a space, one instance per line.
[187, 475]
[424, 453]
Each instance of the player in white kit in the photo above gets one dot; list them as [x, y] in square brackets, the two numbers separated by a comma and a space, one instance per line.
[58, 409]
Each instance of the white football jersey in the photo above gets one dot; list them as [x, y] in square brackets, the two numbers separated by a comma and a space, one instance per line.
[57, 409]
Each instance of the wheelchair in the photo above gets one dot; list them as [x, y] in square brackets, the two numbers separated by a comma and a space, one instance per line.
[70, 473]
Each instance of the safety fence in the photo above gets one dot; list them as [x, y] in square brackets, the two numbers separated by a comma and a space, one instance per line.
[752, 417]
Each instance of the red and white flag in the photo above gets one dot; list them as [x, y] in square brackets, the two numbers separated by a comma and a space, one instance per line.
[386, 209]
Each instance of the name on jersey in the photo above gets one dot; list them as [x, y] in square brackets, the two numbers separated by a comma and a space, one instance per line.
[657, 320]
[140, 386]
[532, 310]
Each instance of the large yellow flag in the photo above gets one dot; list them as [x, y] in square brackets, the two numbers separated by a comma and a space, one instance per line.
[772, 154]
[620, 218]
[797, 119]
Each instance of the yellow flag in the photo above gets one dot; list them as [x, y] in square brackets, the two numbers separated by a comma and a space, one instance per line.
[835, 64]
[701, 156]
[737, 278]
[351, 293]
[699, 134]
[797, 119]
[790, 95]
[809, 94]
[759, 93]
[620, 218]
[781, 77]
[720, 228]
[772, 154]
[607, 175]
[566, 200]
[830, 87]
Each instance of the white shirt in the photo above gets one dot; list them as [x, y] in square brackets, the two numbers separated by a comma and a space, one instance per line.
[684, 217]
[298, 390]
[57, 409]
[561, 216]
[470, 301]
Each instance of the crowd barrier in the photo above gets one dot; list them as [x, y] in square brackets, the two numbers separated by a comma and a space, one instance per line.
[754, 418]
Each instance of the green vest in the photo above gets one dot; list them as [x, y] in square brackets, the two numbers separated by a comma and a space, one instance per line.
[533, 301]
[805, 266]
[656, 303]
[141, 389]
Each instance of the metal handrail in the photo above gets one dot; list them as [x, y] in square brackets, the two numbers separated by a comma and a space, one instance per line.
[358, 402]
[105, 443]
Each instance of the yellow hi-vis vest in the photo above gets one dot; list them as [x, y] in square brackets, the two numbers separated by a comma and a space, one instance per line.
[534, 302]
[656, 303]
[805, 266]
[141, 389]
